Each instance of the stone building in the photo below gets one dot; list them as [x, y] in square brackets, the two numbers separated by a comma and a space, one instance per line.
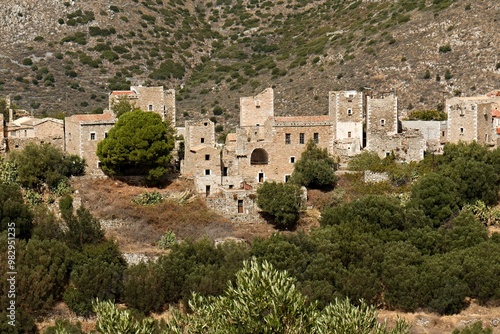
[471, 119]
[24, 130]
[384, 133]
[346, 110]
[154, 99]
[82, 133]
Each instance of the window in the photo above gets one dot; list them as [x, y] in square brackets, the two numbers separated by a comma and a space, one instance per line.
[292, 160]
[316, 137]
[207, 157]
[349, 134]
[240, 206]
[224, 171]
[442, 133]
[150, 107]
[207, 191]
[92, 136]
[105, 135]
[288, 138]
[461, 131]
[382, 122]
[261, 177]
[301, 138]
[98, 164]
[231, 186]
[387, 154]
[287, 177]
[349, 111]
[205, 124]
[207, 171]
[202, 140]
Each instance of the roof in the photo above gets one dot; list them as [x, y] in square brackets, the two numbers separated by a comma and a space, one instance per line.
[122, 92]
[495, 113]
[91, 117]
[32, 121]
[498, 131]
[494, 93]
[200, 147]
[322, 118]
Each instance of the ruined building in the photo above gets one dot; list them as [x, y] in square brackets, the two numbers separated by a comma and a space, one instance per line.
[265, 147]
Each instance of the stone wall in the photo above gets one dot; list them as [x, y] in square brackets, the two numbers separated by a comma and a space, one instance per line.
[83, 133]
[238, 205]
[257, 109]
[407, 146]
[372, 177]
[346, 109]
[2, 135]
[381, 117]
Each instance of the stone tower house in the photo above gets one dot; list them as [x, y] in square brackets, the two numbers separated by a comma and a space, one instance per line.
[153, 99]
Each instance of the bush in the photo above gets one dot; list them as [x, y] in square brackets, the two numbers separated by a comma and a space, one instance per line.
[281, 201]
[445, 48]
[315, 168]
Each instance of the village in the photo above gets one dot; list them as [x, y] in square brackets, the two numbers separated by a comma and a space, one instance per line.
[264, 147]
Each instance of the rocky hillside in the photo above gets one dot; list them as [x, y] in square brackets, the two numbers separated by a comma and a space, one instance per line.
[61, 57]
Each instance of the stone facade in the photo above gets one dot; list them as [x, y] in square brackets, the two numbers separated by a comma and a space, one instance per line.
[346, 110]
[256, 110]
[471, 119]
[154, 99]
[82, 133]
[24, 130]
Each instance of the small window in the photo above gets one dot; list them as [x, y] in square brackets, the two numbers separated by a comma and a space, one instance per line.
[207, 157]
[287, 177]
[261, 177]
[231, 186]
[224, 171]
[257, 104]
[442, 133]
[150, 107]
[205, 124]
[240, 206]
[387, 154]
[349, 134]
[461, 131]
[202, 140]
[288, 138]
[316, 137]
[92, 136]
[207, 191]
[382, 122]
[105, 135]
[98, 164]
[292, 160]
[349, 111]
[207, 171]
[350, 100]
[301, 138]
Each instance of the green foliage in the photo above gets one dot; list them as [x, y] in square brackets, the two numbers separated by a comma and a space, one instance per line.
[97, 273]
[475, 328]
[112, 320]
[121, 106]
[14, 213]
[139, 144]
[143, 287]
[63, 326]
[148, 198]
[42, 273]
[167, 240]
[168, 70]
[47, 226]
[445, 48]
[436, 195]
[83, 229]
[315, 168]
[265, 300]
[428, 115]
[40, 165]
[77, 37]
[282, 201]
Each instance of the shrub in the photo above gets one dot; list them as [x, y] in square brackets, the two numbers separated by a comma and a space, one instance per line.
[315, 168]
[281, 201]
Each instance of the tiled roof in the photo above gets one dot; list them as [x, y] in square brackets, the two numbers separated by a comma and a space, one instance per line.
[495, 113]
[323, 118]
[92, 117]
[498, 131]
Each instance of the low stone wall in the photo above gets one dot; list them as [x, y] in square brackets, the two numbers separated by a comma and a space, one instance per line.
[372, 177]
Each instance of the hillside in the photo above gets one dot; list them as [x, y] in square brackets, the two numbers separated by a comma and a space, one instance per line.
[65, 57]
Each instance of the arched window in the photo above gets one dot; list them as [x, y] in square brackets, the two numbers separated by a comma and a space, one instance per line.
[259, 157]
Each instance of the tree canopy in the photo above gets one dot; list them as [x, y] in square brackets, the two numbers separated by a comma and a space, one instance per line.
[139, 144]
[281, 201]
[315, 168]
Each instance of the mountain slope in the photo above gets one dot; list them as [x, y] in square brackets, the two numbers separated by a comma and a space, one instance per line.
[65, 57]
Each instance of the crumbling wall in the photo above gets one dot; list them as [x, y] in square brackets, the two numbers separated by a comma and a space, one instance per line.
[257, 109]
